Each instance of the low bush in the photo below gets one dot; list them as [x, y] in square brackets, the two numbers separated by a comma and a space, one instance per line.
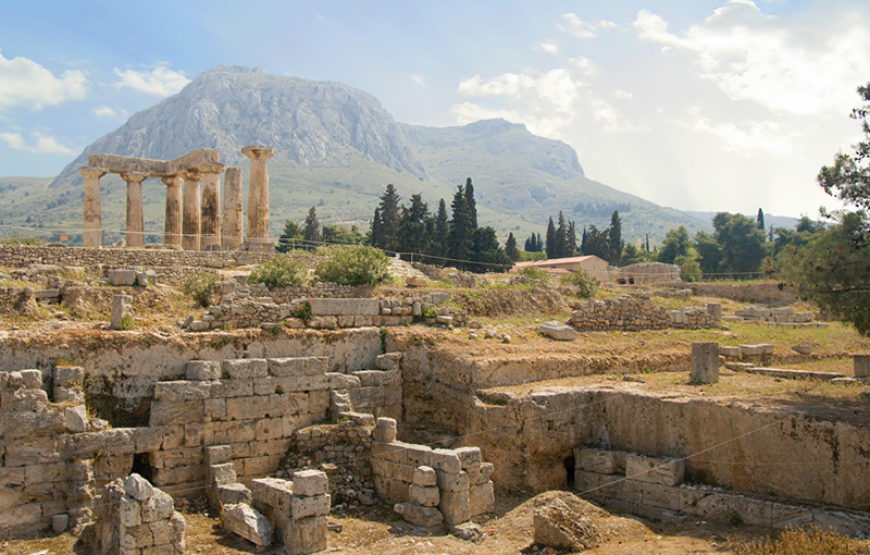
[534, 273]
[583, 280]
[798, 541]
[352, 266]
[200, 287]
[280, 271]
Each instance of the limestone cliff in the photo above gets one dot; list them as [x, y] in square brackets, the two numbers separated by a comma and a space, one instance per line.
[228, 108]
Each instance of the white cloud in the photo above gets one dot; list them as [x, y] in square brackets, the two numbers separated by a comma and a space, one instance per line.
[43, 145]
[24, 82]
[619, 93]
[556, 89]
[781, 64]
[548, 48]
[104, 112]
[746, 137]
[612, 120]
[161, 81]
[583, 29]
[584, 65]
[419, 80]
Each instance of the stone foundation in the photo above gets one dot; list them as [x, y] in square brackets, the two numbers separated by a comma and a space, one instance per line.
[633, 314]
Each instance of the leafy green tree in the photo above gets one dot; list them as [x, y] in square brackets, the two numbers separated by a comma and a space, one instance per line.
[614, 237]
[510, 248]
[833, 270]
[709, 255]
[488, 252]
[292, 235]
[633, 255]
[311, 231]
[740, 241]
[534, 243]
[341, 235]
[849, 178]
[676, 243]
[597, 243]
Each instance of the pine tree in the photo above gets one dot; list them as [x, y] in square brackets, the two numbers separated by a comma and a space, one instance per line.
[551, 239]
[510, 248]
[312, 229]
[615, 238]
[472, 205]
[460, 242]
[442, 230]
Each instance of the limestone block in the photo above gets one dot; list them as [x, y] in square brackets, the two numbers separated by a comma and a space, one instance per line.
[273, 492]
[469, 457]
[122, 305]
[393, 470]
[244, 369]
[336, 380]
[560, 526]
[217, 454]
[391, 491]
[455, 507]
[307, 535]
[128, 511]
[138, 487]
[426, 517]
[367, 397]
[425, 476]
[59, 523]
[157, 507]
[385, 430]
[388, 361]
[136, 537]
[452, 481]
[176, 412]
[68, 376]
[248, 523]
[481, 498]
[298, 366]
[558, 331]
[230, 494]
[203, 370]
[664, 471]
[705, 363]
[730, 352]
[445, 460]
[182, 390]
[750, 350]
[317, 505]
[861, 366]
[76, 419]
[222, 473]
[345, 307]
[179, 526]
[161, 532]
[601, 461]
[44, 473]
[120, 278]
[231, 388]
[424, 496]
[310, 483]
[377, 377]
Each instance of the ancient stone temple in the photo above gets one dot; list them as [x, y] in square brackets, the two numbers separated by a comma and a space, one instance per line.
[193, 199]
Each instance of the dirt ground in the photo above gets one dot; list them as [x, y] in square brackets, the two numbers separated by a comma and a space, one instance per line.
[509, 531]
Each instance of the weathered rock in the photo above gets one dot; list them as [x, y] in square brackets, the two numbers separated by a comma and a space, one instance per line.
[307, 535]
[138, 487]
[248, 523]
[469, 532]
[559, 526]
[385, 430]
[427, 517]
[310, 483]
[122, 305]
[558, 331]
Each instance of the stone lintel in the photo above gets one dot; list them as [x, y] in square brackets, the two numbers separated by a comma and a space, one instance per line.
[258, 152]
[87, 171]
[203, 160]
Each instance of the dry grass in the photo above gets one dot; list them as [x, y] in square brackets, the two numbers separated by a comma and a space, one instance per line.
[798, 541]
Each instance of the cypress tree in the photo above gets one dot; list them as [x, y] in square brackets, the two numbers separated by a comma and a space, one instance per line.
[583, 246]
[460, 242]
[615, 238]
[551, 239]
[312, 229]
[760, 219]
[412, 236]
[442, 230]
[572, 240]
[388, 225]
[472, 205]
[510, 248]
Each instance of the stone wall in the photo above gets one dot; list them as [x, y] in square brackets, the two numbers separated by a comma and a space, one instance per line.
[770, 294]
[784, 315]
[633, 314]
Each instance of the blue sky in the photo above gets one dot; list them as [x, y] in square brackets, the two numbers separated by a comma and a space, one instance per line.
[701, 105]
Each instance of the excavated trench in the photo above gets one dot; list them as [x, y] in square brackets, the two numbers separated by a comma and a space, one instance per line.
[776, 456]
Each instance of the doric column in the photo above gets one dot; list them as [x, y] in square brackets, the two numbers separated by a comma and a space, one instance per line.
[211, 210]
[135, 217]
[93, 228]
[172, 223]
[233, 209]
[258, 193]
[190, 225]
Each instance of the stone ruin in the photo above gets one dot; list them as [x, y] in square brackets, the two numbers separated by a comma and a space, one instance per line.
[193, 218]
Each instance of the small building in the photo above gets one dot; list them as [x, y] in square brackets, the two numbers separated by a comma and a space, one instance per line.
[597, 267]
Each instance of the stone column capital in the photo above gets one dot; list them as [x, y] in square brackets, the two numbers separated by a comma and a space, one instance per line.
[191, 175]
[88, 171]
[258, 152]
[171, 180]
[133, 177]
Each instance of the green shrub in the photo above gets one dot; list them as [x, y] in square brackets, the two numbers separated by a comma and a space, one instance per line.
[126, 323]
[279, 272]
[690, 270]
[582, 279]
[16, 239]
[200, 287]
[532, 272]
[352, 266]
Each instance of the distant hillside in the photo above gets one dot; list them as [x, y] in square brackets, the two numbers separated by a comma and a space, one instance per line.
[336, 149]
[769, 219]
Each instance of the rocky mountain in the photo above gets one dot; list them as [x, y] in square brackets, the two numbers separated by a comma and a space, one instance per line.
[228, 108]
[336, 148]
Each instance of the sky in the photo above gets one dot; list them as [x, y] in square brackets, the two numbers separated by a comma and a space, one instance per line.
[728, 105]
